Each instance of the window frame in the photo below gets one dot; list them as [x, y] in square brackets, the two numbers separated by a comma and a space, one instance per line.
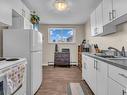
[74, 35]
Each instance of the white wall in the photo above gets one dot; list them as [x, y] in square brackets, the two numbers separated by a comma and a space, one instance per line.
[49, 48]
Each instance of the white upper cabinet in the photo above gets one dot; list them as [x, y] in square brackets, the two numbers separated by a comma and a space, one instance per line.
[25, 12]
[17, 5]
[114, 9]
[21, 9]
[107, 15]
[93, 23]
[5, 13]
[119, 8]
[6, 7]
[97, 21]
[107, 11]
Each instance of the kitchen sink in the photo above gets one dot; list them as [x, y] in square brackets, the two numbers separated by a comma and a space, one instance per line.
[111, 57]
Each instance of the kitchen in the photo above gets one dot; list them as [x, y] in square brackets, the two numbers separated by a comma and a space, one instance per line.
[99, 25]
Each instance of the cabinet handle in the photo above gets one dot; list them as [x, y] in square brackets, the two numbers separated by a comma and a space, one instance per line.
[23, 12]
[113, 14]
[123, 75]
[124, 92]
[85, 65]
[110, 16]
[95, 31]
[94, 64]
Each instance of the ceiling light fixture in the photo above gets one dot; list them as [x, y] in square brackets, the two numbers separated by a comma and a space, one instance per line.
[61, 5]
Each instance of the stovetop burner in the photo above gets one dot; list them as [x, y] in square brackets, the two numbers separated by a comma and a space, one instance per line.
[12, 59]
[9, 59]
[2, 59]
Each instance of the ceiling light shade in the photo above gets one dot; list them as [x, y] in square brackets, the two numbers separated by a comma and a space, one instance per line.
[61, 5]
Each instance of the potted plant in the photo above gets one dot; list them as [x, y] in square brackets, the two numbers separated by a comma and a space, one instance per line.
[34, 18]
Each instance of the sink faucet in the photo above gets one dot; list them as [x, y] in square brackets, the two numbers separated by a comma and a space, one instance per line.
[115, 50]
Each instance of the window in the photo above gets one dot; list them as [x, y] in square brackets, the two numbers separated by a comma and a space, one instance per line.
[61, 35]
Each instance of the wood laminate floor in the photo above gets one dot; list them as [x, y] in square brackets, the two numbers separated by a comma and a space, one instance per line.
[55, 80]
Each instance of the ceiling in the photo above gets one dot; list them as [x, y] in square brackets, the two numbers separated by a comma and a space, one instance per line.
[78, 12]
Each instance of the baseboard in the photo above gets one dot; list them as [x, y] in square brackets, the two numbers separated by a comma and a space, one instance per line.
[44, 64]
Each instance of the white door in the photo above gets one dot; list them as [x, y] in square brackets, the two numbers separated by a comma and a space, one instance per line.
[119, 7]
[36, 40]
[99, 19]
[93, 23]
[91, 74]
[101, 77]
[107, 11]
[36, 60]
[115, 88]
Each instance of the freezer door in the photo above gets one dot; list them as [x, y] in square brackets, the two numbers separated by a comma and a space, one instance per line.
[36, 71]
[16, 43]
[36, 40]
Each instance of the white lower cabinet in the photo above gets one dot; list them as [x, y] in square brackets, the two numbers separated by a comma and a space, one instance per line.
[101, 77]
[115, 88]
[91, 74]
[95, 74]
[117, 81]
[5, 13]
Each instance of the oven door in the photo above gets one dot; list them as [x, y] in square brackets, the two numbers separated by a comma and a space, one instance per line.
[3, 89]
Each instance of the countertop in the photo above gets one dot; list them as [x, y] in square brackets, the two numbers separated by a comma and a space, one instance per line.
[6, 64]
[121, 63]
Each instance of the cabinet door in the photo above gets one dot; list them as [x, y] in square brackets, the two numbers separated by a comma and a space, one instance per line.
[99, 19]
[119, 7]
[27, 24]
[107, 11]
[25, 12]
[5, 12]
[91, 74]
[115, 88]
[101, 77]
[93, 23]
[84, 68]
[36, 72]
[17, 5]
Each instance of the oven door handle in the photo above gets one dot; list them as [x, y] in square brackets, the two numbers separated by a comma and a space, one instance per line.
[3, 74]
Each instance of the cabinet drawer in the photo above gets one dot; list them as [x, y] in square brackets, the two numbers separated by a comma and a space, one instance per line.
[118, 74]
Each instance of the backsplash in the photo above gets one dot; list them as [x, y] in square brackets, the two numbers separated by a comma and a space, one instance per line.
[116, 40]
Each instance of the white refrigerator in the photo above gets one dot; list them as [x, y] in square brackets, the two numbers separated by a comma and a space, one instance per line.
[28, 44]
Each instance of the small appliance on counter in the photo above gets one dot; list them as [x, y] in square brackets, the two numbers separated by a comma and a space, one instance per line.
[86, 46]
